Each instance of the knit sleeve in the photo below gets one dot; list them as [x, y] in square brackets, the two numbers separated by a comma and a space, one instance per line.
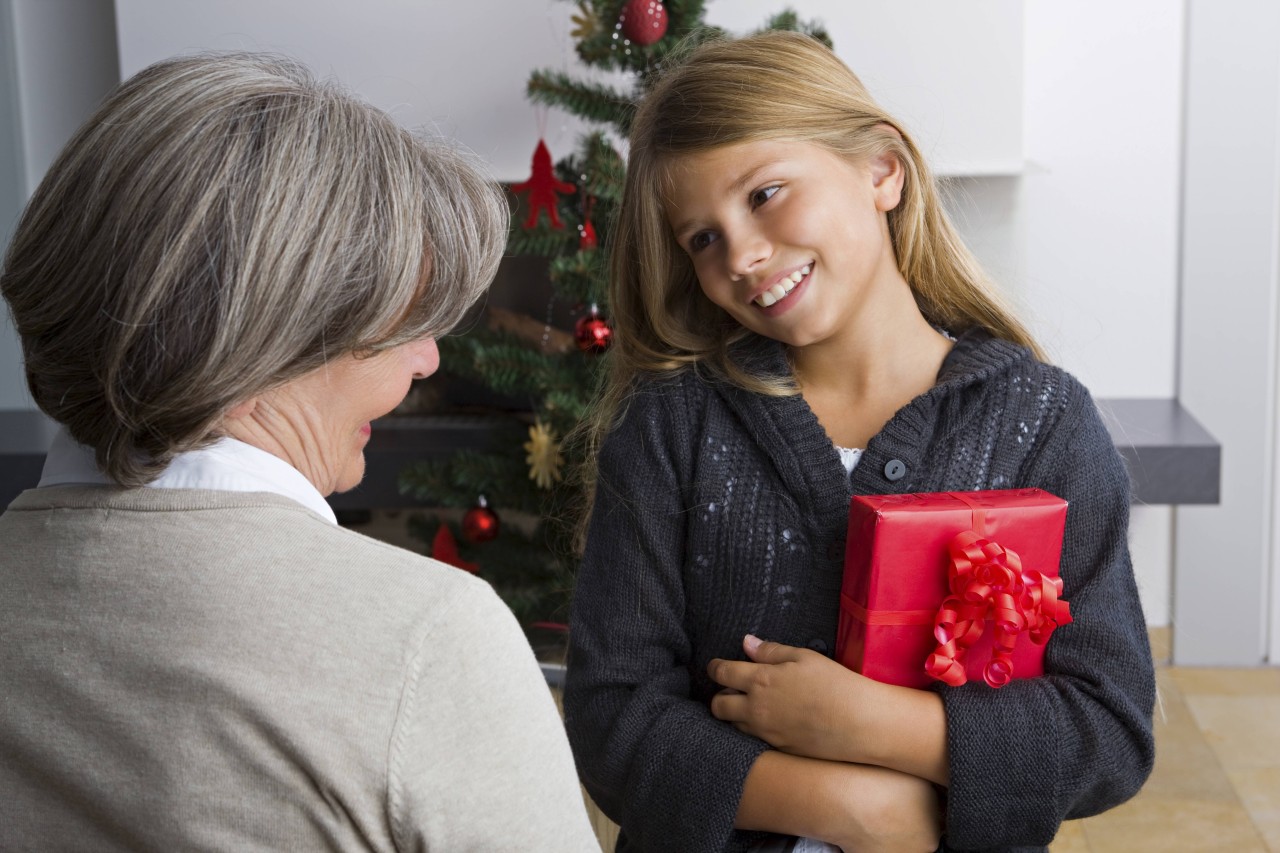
[652, 758]
[1079, 740]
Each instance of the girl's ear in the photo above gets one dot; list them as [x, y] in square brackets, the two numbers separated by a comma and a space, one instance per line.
[887, 178]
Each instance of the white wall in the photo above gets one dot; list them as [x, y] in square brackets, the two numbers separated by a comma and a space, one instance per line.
[426, 62]
[951, 72]
[1086, 239]
[58, 60]
[1226, 553]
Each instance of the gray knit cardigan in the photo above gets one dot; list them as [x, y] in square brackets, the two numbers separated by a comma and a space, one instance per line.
[721, 512]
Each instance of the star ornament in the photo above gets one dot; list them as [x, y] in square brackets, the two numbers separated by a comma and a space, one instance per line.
[586, 22]
[544, 459]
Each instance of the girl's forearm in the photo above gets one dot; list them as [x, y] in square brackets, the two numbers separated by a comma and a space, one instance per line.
[793, 795]
[902, 729]
[850, 805]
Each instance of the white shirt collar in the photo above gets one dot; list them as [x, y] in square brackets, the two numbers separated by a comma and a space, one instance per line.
[227, 465]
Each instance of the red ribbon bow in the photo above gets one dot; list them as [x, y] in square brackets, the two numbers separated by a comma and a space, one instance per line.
[987, 581]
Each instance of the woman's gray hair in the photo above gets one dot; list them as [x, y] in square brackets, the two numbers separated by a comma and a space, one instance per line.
[223, 224]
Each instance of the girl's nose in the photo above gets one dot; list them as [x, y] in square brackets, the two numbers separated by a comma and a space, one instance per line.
[748, 250]
[425, 357]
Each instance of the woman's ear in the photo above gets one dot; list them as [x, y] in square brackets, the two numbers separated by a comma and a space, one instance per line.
[241, 410]
[887, 179]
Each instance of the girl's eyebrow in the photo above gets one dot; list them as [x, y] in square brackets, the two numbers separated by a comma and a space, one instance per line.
[749, 177]
[739, 184]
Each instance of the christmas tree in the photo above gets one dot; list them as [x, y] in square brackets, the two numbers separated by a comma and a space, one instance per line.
[563, 213]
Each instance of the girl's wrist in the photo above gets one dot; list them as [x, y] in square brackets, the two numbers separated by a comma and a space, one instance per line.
[905, 729]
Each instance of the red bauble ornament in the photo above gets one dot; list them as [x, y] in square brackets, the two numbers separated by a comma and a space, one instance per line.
[592, 333]
[480, 524]
[644, 21]
[542, 187]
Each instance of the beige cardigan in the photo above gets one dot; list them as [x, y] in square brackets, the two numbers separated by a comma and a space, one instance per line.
[186, 669]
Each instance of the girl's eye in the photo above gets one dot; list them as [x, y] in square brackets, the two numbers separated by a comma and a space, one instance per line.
[762, 195]
[700, 241]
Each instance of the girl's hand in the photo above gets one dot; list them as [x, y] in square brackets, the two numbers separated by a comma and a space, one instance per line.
[794, 699]
[804, 703]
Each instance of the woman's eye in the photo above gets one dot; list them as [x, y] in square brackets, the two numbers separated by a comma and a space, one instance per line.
[762, 195]
[700, 241]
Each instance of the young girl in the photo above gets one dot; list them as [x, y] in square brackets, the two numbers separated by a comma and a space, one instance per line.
[796, 322]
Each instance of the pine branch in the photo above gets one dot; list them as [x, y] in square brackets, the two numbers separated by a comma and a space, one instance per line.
[511, 369]
[501, 360]
[460, 479]
[592, 101]
[604, 167]
[580, 277]
[540, 241]
[789, 20]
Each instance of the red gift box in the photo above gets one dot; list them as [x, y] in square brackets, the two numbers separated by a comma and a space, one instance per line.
[951, 586]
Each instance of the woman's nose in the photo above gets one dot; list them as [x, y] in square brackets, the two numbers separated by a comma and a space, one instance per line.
[425, 357]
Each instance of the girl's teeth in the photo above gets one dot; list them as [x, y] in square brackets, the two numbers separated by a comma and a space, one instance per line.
[782, 288]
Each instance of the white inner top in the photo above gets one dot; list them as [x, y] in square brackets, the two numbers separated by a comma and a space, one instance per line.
[228, 465]
[849, 456]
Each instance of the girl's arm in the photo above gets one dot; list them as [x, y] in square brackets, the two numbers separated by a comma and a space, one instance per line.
[1078, 740]
[856, 807]
[650, 755]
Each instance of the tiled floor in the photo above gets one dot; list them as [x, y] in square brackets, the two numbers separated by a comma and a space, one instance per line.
[1216, 783]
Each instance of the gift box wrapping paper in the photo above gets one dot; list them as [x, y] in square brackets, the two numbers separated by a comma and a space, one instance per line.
[907, 554]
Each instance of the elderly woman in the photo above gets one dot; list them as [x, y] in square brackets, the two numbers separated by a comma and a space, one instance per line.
[231, 271]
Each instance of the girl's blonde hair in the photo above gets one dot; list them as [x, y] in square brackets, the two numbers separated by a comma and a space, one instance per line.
[223, 224]
[775, 85]
[770, 86]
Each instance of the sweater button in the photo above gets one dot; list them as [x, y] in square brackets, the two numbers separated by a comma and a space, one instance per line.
[818, 646]
[835, 551]
[895, 469]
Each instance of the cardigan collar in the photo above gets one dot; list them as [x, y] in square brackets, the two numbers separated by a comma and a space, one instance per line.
[804, 454]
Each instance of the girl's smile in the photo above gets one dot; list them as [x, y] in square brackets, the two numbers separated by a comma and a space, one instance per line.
[777, 295]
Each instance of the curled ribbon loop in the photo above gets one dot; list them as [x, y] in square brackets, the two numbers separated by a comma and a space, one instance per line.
[987, 581]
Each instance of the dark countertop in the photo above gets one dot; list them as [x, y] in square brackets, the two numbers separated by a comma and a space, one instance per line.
[1171, 457]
